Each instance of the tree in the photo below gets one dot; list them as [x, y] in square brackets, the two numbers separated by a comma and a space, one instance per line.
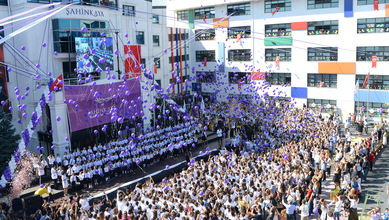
[8, 140]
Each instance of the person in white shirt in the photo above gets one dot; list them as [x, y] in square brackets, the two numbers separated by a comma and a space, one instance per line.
[219, 133]
[84, 202]
[54, 176]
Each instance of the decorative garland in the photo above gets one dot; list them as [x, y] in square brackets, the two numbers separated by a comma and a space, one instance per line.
[26, 135]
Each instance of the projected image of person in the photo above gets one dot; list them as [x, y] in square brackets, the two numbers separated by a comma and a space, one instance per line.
[91, 53]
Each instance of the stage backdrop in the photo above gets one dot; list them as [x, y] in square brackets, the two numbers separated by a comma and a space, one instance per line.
[88, 105]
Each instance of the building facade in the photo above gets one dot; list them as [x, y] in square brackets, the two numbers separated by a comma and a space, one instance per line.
[125, 22]
[323, 48]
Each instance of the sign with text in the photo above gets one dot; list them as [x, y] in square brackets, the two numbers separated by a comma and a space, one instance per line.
[95, 104]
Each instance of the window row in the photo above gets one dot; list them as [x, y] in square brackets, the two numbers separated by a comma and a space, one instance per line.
[239, 77]
[322, 80]
[178, 57]
[322, 105]
[205, 77]
[363, 107]
[379, 82]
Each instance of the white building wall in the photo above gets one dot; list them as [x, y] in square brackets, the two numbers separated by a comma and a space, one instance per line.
[347, 41]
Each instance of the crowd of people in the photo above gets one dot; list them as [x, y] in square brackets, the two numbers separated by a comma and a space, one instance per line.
[83, 169]
[271, 167]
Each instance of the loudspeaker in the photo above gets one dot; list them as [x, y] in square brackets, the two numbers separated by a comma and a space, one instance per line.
[33, 203]
[17, 204]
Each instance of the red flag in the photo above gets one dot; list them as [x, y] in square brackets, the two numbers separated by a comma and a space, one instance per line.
[239, 84]
[365, 82]
[374, 62]
[321, 84]
[155, 68]
[277, 61]
[205, 61]
[275, 11]
[204, 17]
[57, 83]
[133, 57]
[238, 38]
[376, 5]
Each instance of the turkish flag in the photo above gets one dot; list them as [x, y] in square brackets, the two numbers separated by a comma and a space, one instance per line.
[239, 84]
[57, 83]
[275, 11]
[374, 62]
[376, 5]
[155, 68]
[366, 80]
[204, 17]
[277, 61]
[205, 61]
[238, 38]
[321, 84]
[132, 53]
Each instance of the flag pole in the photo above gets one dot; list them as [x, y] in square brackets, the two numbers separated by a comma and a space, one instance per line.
[368, 94]
[359, 107]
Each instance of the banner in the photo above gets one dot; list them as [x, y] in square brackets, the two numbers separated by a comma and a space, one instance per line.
[132, 53]
[3, 81]
[376, 2]
[205, 61]
[88, 105]
[278, 8]
[277, 61]
[374, 62]
[366, 80]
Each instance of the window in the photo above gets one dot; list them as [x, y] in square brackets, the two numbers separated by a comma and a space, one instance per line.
[209, 54]
[183, 36]
[182, 15]
[206, 34]
[158, 82]
[323, 27]
[175, 58]
[239, 55]
[316, 4]
[128, 10]
[373, 25]
[322, 53]
[376, 106]
[380, 82]
[3, 2]
[276, 30]
[239, 9]
[321, 104]
[283, 5]
[157, 62]
[365, 53]
[68, 74]
[322, 80]
[205, 77]
[234, 77]
[143, 61]
[209, 12]
[2, 33]
[244, 31]
[284, 54]
[279, 98]
[155, 19]
[33, 1]
[371, 2]
[278, 78]
[64, 32]
[140, 37]
[156, 40]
